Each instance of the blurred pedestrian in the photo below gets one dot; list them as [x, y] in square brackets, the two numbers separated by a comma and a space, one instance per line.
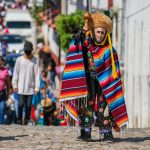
[26, 80]
[48, 102]
[52, 73]
[4, 46]
[44, 78]
[10, 114]
[11, 111]
[4, 88]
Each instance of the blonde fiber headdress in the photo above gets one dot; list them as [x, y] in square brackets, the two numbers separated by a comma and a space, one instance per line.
[100, 20]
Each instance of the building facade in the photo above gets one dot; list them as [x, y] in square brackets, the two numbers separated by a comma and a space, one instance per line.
[137, 62]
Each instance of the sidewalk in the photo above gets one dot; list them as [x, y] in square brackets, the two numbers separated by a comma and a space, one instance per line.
[64, 138]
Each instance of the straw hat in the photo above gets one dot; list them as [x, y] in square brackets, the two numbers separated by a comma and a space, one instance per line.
[100, 20]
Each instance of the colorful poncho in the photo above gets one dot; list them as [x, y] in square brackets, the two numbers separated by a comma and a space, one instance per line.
[74, 84]
[74, 81]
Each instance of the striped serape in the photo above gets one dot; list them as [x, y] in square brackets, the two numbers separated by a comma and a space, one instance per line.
[74, 81]
[112, 88]
[74, 84]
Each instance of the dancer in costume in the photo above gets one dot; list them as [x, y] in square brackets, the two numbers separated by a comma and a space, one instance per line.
[91, 83]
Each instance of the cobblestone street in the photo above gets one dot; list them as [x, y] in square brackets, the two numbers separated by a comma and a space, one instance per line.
[64, 138]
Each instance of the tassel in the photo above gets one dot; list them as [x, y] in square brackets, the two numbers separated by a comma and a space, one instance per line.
[114, 71]
[61, 107]
[86, 102]
[78, 103]
[96, 105]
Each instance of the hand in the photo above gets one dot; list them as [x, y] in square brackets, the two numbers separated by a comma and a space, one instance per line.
[15, 90]
[43, 102]
[85, 28]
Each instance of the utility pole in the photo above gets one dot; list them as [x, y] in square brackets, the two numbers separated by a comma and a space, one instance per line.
[89, 5]
[59, 52]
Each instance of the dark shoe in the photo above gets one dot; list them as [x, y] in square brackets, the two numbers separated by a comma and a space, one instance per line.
[82, 136]
[87, 136]
[19, 122]
[108, 137]
[88, 140]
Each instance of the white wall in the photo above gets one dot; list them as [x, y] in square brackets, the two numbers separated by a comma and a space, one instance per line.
[100, 4]
[72, 5]
[137, 65]
[117, 24]
[53, 44]
[49, 35]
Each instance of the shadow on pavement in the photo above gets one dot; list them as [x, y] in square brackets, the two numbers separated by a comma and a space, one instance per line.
[116, 140]
[11, 137]
[134, 139]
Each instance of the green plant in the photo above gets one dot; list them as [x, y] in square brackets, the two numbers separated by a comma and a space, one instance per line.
[67, 25]
[35, 13]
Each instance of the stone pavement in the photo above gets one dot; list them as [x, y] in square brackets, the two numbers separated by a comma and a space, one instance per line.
[64, 138]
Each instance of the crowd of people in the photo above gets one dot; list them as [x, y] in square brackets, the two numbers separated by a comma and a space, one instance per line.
[28, 98]
[27, 90]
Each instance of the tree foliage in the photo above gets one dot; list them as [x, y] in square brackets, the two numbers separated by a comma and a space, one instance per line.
[67, 25]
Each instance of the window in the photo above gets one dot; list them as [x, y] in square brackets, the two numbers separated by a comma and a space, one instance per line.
[18, 25]
[12, 39]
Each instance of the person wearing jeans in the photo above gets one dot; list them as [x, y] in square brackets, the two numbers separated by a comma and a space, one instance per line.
[27, 101]
[4, 88]
[2, 112]
[26, 80]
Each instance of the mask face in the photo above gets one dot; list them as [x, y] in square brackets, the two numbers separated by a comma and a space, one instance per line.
[28, 52]
[99, 35]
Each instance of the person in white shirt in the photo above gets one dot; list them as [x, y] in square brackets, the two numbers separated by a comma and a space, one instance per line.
[26, 80]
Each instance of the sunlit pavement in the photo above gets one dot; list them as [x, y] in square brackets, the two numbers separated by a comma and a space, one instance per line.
[64, 138]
